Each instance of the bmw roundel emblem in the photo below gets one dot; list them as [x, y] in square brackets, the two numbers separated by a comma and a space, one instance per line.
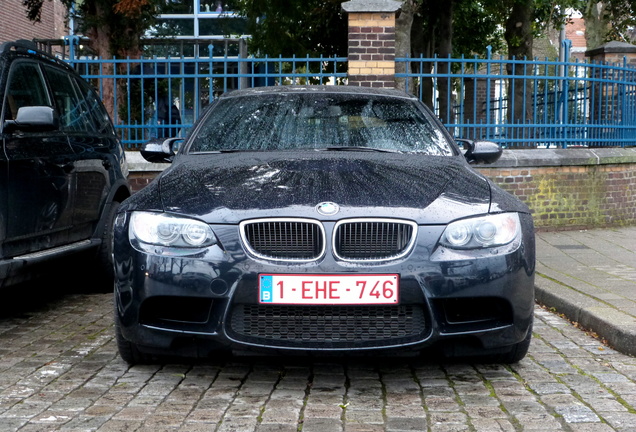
[327, 208]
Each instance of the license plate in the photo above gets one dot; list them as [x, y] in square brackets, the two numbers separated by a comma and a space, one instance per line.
[334, 289]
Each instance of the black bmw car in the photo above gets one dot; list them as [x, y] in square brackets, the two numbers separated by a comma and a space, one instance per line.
[322, 219]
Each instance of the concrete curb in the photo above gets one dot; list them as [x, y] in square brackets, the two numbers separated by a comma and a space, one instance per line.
[616, 327]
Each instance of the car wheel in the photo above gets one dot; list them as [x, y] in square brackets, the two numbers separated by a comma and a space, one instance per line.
[128, 351]
[104, 258]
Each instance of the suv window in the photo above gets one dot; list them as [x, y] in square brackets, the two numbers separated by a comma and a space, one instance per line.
[74, 115]
[98, 115]
[26, 88]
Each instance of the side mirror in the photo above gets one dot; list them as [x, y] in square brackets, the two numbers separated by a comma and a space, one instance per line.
[481, 151]
[33, 119]
[160, 150]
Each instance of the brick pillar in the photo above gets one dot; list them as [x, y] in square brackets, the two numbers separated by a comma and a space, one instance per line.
[372, 42]
[613, 52]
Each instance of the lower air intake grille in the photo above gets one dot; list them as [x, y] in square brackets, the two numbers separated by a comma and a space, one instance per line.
[329, 326]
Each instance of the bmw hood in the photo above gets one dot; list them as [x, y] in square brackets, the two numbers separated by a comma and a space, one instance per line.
[231, 187]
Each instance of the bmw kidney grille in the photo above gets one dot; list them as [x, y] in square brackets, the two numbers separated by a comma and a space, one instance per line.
[304, 239]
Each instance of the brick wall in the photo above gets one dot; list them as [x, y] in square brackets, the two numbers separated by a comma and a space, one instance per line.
[564, 188]
[15, 25]
[140, 179]
[573, 197]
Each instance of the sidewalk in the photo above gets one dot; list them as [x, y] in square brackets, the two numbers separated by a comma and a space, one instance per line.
[590, 277]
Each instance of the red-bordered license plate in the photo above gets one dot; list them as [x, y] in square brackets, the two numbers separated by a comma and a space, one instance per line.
[321, 289]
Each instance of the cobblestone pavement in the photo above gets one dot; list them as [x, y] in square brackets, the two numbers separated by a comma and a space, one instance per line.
[59, 370]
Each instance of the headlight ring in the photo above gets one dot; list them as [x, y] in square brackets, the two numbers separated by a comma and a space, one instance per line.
[482, 232]
[170, 231]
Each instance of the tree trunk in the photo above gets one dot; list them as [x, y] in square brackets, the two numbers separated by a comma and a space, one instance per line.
[596, 24]
[519, 38]
[445, 49]
[403, 26]
[423, 44]
[101, 43]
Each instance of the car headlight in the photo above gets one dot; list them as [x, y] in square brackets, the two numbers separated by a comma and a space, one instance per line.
[482, 232]
[171, 231]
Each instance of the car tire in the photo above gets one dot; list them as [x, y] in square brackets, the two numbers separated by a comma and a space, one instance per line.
[128, 351]
[104, 258]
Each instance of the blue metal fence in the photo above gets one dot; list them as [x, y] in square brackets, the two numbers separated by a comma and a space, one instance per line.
[535, 103]
[529, 103]
[160, 97]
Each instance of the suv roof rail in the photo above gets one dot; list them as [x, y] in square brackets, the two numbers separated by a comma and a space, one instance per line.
[19, 45]
[27, 46]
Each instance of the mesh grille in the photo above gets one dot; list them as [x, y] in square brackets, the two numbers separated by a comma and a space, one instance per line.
[372, 240]
[293, 240]
[331, 326]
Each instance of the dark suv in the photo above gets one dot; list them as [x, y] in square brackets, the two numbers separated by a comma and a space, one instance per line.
[63, 171]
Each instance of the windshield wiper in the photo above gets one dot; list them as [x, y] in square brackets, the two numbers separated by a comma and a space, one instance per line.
[359, 148]
[331, 148]
[215, 151]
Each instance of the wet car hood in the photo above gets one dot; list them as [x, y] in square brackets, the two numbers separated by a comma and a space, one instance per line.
[231, 187]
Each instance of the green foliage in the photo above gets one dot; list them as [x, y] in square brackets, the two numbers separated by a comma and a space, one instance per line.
[33, 9]
[553, 13]
[621, 16]
[114, 26]
[123, 30]
[302, 27]
[481, 23]
[476, 27]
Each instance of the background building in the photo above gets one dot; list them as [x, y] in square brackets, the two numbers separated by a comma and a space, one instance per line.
[14, 23]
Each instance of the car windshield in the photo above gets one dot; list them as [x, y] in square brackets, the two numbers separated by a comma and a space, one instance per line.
[321, 122]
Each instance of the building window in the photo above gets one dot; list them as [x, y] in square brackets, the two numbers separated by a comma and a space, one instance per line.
[199, 19]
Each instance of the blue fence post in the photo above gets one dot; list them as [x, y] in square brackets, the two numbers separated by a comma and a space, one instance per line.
[564, 96]
[565, 116]
[211, 73]
[629, 114]
[488, 104]
[624, 104]
[72, 41]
